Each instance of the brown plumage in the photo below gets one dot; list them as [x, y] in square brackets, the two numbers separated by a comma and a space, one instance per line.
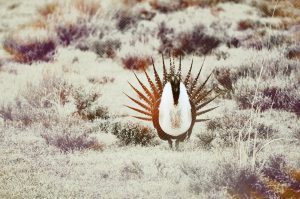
[149, 98]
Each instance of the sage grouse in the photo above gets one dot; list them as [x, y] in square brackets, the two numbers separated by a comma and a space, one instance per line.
[172, 103]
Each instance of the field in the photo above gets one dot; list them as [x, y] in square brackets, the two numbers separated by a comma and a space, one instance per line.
[65, 66]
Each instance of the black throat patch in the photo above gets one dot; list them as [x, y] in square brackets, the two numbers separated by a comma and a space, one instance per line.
[175, 84]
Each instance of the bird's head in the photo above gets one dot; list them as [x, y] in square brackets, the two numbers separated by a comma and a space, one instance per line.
[175, 85]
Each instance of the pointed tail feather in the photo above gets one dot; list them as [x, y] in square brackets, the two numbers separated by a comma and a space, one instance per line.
[205, 111]
[149, 94]
[202, 120]
[194, 83]
[198, 98]
[153, 87]
[157, 79]
[201, 86]
[141, 95]
[188, 76]
[139, 103]
[206, 103]
[138, 110]
[143, 118]
[164, 69]
[179, 69]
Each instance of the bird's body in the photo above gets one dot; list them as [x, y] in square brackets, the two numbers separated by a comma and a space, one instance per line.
[175, 119]
[172, 104]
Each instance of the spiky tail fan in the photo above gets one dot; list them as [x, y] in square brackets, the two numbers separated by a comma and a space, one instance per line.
[149, 97]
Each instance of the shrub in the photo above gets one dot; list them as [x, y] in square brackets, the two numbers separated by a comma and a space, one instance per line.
[132, 170]
[271, 182]
[171, 6]
[248, 184]
[167, 6]
[106, 48]
[84, 106]
[281, 181]
[48, 9]
[70, 32]
[293, 52]
[131, 133]
[30, 44]
[227, 129]
[245, 24]
[195, 41]
[166, 36]
[87, 7]
[283, 9]
[50, 100]
[69, 137]
[136, 62]
[20, 112]
[71, 21]
[101, 80]
[205, 139]
[275, 40]
[125, 20]
[271, 68]
[268, 96]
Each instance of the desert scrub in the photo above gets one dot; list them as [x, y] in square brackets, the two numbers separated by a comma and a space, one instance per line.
[132, 170]
[125, 19]
[218, 177]
[168, 6]
[57, 23]
[72, 21]
[195, 41]
[51, 99]
[85, 106]
[262, 40]
[69, 136]
[89, 8]
[275, 180]
[281, 179]
[39, 103]
[30, 44]
[106, 47]
[136, 62]
[225, 131]
[293, 52]
[278, 67]
[171, 6]
[130, 133]
[283, 8]
[278, 93]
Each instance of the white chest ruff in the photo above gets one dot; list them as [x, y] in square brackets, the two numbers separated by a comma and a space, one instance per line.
[175, 120]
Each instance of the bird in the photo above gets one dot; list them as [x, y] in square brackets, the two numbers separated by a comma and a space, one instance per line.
[172, 103]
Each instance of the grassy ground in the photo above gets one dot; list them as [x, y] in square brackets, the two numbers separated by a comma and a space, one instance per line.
[65, 132]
